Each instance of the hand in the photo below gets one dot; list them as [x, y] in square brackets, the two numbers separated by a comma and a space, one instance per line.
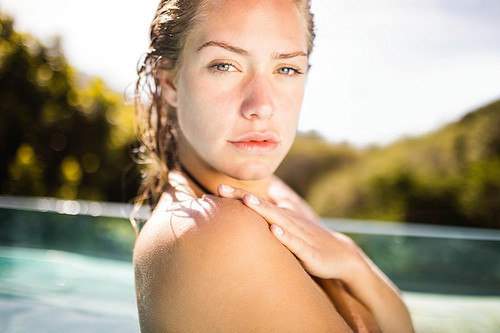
[322, 253]
[332, 255]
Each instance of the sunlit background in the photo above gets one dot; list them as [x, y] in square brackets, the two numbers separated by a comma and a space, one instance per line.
[380, 70]
[400, 119]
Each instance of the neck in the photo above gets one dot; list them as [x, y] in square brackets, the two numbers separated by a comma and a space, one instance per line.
[205, 179]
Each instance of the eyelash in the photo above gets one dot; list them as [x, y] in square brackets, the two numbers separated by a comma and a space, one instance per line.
[221, 72]
[215, 70]
[296, 71]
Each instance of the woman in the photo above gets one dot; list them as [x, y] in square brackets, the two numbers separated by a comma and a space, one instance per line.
[229, 247]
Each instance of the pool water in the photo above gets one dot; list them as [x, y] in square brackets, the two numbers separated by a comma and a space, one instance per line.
[453, 313]
[61, 272]
[55, 291]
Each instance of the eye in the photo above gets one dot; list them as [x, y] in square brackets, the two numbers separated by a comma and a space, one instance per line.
[288, 71]
[223, 67]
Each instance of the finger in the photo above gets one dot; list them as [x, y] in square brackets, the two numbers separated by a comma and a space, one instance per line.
[227, 191]
[253, 202]
[238, 193]
[298, 246]
[272, 214]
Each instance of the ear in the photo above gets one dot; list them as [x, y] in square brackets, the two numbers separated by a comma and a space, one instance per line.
[168, 87]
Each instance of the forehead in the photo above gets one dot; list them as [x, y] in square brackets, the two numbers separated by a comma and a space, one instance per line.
[252, 24]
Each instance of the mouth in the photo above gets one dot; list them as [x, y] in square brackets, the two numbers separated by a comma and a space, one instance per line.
[256, 142]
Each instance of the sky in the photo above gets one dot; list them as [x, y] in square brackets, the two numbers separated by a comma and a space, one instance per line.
[381, 70]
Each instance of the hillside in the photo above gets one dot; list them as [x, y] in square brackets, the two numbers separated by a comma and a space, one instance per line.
[66, 136]
[450, 176]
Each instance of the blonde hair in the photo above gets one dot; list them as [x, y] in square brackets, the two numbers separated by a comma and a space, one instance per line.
[156, 123]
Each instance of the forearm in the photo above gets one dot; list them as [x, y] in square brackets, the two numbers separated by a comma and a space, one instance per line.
[380, 296]
[352, 311]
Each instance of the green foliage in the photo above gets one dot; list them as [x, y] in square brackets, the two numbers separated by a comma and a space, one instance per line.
[309, 158]
[450, 176]
[65, 136]
[60, 134]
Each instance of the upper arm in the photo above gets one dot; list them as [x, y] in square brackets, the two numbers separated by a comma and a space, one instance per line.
[228, 273]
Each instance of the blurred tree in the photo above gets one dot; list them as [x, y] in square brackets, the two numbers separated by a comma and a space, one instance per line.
[61, 134]
[310, 157]
[450, 176]
[67, 136]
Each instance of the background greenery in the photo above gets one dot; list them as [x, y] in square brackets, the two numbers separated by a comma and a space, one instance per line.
[66, 135]
[450, 176]
[61, 134]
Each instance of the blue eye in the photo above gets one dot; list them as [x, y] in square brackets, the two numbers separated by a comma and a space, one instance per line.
[288, 71]
[224, 67]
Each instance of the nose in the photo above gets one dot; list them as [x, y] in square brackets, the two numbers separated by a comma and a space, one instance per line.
[258, 99]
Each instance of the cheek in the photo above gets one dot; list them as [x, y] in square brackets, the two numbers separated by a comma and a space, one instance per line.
[203, 111]
[289, 117]
[206, 99]
[290, 106]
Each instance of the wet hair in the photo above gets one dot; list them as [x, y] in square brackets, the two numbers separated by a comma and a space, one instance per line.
[156, 123]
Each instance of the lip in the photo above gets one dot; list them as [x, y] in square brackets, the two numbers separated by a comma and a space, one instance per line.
[256, 142]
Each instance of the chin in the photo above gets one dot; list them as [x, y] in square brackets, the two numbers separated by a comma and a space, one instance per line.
[251, 172]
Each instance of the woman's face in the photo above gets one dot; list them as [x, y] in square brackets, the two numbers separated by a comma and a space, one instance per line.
[240, 87]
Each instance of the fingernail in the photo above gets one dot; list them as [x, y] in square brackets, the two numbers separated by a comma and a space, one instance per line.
[277, 230]
[253, 199]
[226, 188]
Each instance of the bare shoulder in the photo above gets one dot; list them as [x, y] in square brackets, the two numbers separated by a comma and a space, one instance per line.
[212, 265]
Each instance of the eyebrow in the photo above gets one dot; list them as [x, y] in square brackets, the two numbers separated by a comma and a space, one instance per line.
[225, 46]
[289, 55]
[246, 53]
